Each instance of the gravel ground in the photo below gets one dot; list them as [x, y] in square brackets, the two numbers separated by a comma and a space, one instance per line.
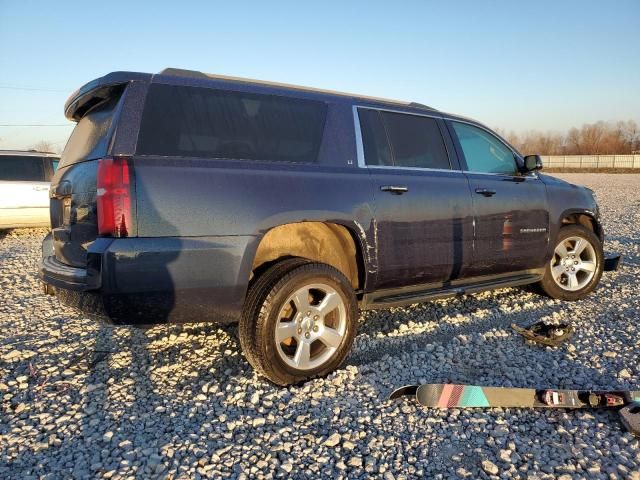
[83, 400]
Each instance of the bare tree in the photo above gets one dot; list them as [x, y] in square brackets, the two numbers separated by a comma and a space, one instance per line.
[590, 139]
[45, 146]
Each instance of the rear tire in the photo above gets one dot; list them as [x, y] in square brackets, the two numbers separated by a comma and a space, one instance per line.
[299, 321]
[576, 265]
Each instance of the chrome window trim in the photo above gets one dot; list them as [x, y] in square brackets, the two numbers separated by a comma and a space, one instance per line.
[419, 169]
[533, 175]
[360, 144]
[393, 110]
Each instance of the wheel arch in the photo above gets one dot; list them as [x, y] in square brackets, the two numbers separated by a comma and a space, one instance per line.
[333, 243]
[582, 217]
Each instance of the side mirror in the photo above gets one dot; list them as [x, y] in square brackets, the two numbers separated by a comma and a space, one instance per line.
[532, 162]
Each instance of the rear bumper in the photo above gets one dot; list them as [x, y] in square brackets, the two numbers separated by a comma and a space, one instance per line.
[57, 274]
[154, 280]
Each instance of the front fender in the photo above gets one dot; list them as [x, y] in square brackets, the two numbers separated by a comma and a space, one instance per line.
[565, 199]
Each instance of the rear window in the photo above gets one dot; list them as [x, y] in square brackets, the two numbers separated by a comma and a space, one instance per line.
[203, 122]
[22, 168]
[90, 138]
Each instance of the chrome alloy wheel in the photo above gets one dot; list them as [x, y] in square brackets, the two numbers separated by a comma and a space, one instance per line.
[574, 263]
[311, 326]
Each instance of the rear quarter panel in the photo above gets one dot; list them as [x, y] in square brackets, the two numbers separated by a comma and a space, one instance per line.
[200, 197]
[217, 211]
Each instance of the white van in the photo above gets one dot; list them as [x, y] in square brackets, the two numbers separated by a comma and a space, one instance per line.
[24, 188]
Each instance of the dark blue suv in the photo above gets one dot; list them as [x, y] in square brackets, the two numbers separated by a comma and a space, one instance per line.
[187, 197]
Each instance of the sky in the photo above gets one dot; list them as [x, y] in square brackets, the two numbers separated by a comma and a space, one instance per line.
[543, 65]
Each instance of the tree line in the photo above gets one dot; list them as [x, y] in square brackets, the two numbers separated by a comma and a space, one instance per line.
[598, 138]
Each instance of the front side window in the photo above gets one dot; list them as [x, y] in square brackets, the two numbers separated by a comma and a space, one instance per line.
[483, 152]
[203, 122]
[21, 168]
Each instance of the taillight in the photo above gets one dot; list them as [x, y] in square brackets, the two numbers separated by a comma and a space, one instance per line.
[114, 197]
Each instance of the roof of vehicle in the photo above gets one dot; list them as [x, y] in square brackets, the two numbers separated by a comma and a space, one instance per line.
[197, 75]
[80, 101]
[96, 90]
[28, 153]
[177, 72]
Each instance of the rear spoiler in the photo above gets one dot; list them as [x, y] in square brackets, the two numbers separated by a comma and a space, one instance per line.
[98, 90]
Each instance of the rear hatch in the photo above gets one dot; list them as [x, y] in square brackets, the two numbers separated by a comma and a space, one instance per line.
[73, 198]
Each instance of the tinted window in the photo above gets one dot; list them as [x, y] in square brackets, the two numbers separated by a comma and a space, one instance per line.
[90, 139]
[50, 167]
[415, 141]
[484, 152]
[374, 138]
[202, 122]
[21, 168]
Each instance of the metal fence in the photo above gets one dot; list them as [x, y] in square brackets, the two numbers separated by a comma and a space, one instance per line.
[591, 161]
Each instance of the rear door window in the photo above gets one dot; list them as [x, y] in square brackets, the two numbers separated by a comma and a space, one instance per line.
[25, 168]
[416, 141]
[402, 140]
[203, 122]
[374, 139]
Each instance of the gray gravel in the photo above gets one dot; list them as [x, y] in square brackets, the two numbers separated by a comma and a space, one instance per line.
[83, 400]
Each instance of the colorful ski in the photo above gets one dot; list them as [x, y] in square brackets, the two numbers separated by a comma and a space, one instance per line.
[473, 396]
[404, 391]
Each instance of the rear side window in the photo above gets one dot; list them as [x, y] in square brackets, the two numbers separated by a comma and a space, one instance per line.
[203, 122]
[396, 139]
[90, 138]
[22, 168]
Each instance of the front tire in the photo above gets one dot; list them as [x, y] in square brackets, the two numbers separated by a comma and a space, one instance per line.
[299, 321]
[576, 265]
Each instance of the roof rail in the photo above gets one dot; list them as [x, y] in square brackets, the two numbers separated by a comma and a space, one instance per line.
[421, 105]
[178, 72]
[30, 152]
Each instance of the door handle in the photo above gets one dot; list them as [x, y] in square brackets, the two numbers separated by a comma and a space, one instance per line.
[486, 192]
[397, 190]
